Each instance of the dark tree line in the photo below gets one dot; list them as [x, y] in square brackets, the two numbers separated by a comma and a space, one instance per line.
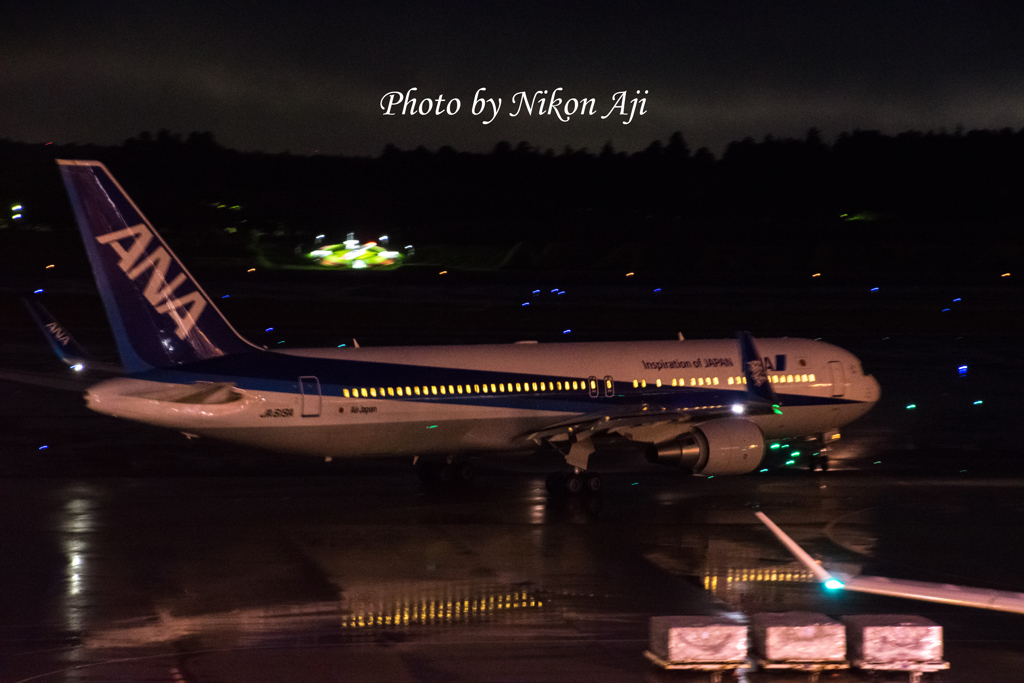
[952, 193]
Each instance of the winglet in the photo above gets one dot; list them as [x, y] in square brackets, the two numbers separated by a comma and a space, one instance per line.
[754, 370]
[59, 339]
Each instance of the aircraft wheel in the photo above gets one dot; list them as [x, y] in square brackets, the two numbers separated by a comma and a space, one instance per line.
[464, 472]
[555, 483]
[573, 484]
[593, 483]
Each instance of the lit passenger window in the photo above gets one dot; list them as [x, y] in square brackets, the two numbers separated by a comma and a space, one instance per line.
[373, 392]
[391, 391]
[542, 387]
[535, 386]
[519, 387]
[433, 390]
[484, 387]
[575, 386]
[593, 384]
[789, 379]
[744, 380]
[715, 381]
[657, 382]
[559, 385]
[811, 377]
[501, 388]
[643, 383]
[382, 392]
[459, 387]
[732, 381]
[700, 381]
[442, 390]
[408, 391]
[636, 383]
[673, 381]
[608, 384]
[417, 390]
[344, 392]
[492, 389]
[451, 389]
[363, 391]
[693, 382]
[399, 390]
[803, 378]
[707, 380]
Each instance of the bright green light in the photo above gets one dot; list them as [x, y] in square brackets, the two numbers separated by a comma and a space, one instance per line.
[794, 453]
[834, 584]
[777, 409]
[911, 406]
[432, 427]
[785, 445]
[977, 403]
[791, 462]
[774, 445]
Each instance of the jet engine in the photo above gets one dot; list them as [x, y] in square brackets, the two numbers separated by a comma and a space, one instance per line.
[726, 446]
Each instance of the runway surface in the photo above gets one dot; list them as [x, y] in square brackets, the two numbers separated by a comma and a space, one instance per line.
[131, 553]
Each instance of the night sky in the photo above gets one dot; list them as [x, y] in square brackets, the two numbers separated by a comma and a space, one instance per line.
[309, 76]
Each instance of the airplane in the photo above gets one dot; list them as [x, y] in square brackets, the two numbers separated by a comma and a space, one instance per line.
[706, 407]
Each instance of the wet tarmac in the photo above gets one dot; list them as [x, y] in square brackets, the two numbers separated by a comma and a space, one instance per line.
[131, 553]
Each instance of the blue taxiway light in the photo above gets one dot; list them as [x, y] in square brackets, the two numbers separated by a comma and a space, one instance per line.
[38, 291]
[536, 291]
[874, 289]
[226, 296]
[658, 289]
[944, 310]
[956, 299]
[43, 448]
[269, 329]
[527, 303]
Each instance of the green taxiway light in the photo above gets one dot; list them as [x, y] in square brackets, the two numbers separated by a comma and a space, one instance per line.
[911, 406]
[977, 403]
[774, 445]
[791, 462]
[794, 453]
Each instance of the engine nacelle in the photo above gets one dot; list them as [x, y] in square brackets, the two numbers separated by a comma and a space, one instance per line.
[726, 446]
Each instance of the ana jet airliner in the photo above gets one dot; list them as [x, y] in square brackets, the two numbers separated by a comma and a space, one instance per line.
[706, 407]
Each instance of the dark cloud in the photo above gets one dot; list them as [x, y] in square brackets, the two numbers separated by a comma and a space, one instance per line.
[309, 76]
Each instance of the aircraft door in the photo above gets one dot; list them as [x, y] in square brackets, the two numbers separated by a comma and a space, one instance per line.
[835, 369]
[309, 388]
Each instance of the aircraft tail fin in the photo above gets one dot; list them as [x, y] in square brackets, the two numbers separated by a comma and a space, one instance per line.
[57, 336]
[160, 315]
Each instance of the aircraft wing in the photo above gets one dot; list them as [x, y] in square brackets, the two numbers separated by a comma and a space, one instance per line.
[950, 594]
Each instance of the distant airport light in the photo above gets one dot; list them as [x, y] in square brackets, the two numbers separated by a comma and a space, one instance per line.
[555, 290]
[16, 207]
[738, 409]
[526, 303]
[269, 329]
[911, 406]
[568, 331]
[383, 238]
[658, 289]
[320, 237]
[962, 370]
[561, 293]
[226, 296]
[281, 342]
[78, 367]
[631, 274]
[48, 267]
[1005, 275]
[956, 299]
[536, 291]
[874, 289]
[43, 448]
[340, 345]
[944, 310]
[38, 291]
[442, 272]
[834, 584]
[878, 462]
[774, 445]
[765, 469]
[791, 462]
[432, 427]
[977, 403]
[816, 275]
[17, 215]
[795, 454]
[250, 270]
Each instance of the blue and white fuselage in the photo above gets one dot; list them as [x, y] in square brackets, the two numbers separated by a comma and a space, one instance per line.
[707, 404]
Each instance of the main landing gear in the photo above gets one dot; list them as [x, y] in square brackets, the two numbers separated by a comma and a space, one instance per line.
[574, 482]
[444, 472]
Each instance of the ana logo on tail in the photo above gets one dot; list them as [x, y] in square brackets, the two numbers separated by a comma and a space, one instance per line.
[184, 310]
